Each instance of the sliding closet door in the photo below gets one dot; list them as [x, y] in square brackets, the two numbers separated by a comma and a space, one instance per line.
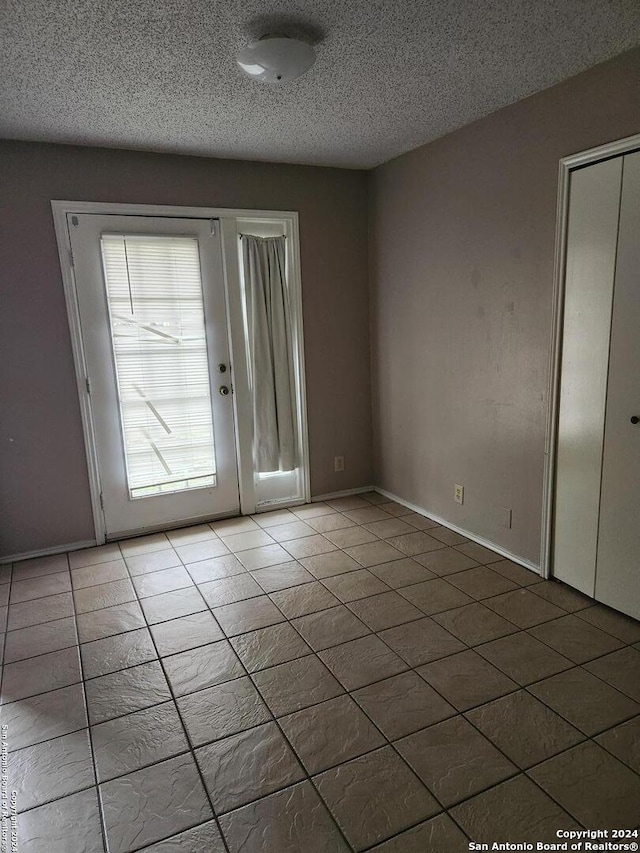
[618, 564]
[590, 269]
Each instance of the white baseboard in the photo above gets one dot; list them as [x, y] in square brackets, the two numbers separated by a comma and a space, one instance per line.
[473, 536]
[47, 552]
[345, 493]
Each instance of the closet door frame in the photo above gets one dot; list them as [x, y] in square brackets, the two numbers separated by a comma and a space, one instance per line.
[231, 222]
[566, 166]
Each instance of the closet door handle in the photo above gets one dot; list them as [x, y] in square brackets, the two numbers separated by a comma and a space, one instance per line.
[635, 419]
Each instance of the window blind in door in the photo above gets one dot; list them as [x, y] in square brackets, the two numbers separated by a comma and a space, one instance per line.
[154, 294]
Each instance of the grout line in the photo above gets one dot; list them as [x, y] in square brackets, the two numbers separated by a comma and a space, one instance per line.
[103, 827]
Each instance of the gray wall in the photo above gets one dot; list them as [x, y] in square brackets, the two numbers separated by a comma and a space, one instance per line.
[44, 498]
[461, 264]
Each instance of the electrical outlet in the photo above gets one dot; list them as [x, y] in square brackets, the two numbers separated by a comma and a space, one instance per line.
[458, 494]
[338, 463]
[506, 517]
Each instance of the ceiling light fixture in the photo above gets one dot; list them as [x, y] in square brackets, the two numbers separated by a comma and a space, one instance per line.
[276, 59]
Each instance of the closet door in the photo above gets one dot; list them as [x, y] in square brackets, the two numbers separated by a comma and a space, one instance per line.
[618, 553]
[594, 202]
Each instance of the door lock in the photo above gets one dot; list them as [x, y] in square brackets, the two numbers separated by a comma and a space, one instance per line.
[635, 419]
[222, 368]
[224, 390]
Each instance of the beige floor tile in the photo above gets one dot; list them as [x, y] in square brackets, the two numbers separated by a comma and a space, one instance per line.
[621, 669]
[137, 740]
[289, 821]
[153, 803]
[592, 785]
[102, 573]
[403, 572]
[520, 575]
[447, 536]
[374, 553]
[140, 564]
[327, 565]
[50, 770]
[584, 700]
[118, 652]
[402, 704]
[291, 530]
[249, 615]
[523, 658]
[187, 632]
[362, 661]
[221, 711]
[367, 515]
[269, 646]
[71, 823]
[330, 627]
[304, 599]
[575, 639]
[295, 685]
[215, 568]
[454, 761]
[330, 733]
[516, 808]
[351, 536]
[273, 519]
[446, 561]
[523, 608]
[309, 546]
[202, 667]
[390, 527]
[329, 523]
[479, 552]
[144, 544]
[421, 641]
[415, 543]
[561, 595]
[246, 766]
[623, 741]
[481, 582]
[467, 680]
[435, 596]
[374, 797]
[34, 588]
[282, 576]
[229, 590]
[524, 729]
[354, 585]
[440, 833]
[474, 624]
[385, 610]
[260, 558]
[614, 623]
[245, 541]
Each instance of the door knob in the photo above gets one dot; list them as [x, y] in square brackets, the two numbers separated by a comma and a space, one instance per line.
[224, 390]
[635, 419]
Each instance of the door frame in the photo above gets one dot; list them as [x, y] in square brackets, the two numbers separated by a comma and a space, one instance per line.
[228, 219]
[566, 166]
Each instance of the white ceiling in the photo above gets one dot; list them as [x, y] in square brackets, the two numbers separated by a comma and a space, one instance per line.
[390, 75]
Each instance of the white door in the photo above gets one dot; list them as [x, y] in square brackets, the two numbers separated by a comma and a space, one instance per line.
[152, 311]
[618, 562]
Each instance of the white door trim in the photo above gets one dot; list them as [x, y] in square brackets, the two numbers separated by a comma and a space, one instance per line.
[228, 218]
[566, 166]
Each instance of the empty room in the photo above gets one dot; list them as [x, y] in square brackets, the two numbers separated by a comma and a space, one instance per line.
[319, 426]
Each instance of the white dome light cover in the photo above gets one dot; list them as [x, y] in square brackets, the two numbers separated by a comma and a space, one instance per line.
[276, 59]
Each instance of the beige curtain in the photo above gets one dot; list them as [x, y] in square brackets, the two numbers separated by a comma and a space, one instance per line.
[272, 378]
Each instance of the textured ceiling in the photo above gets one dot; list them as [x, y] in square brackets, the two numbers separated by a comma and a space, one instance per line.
[390, 75]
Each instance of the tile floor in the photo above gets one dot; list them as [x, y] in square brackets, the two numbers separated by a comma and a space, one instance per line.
[344, 676]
